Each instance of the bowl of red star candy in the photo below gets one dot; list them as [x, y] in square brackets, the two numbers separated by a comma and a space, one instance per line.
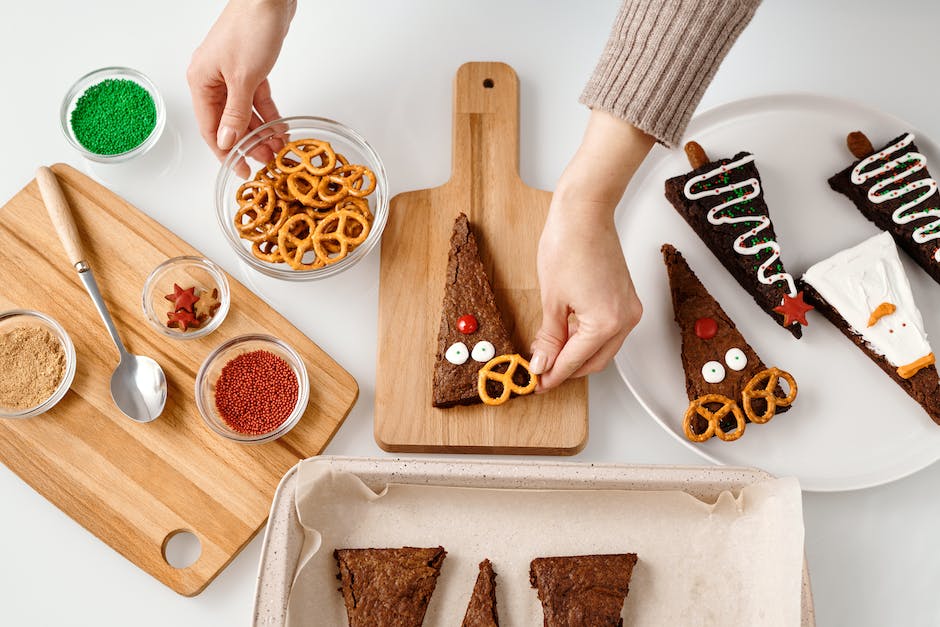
[186, 297]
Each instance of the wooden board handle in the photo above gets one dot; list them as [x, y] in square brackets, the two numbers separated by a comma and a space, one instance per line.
[61, 214]
[486, 121]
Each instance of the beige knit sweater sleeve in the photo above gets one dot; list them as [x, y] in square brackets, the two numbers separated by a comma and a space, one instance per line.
[660, 57]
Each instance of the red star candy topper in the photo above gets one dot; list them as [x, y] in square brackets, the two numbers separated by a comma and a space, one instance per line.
[183, 300]
[793, 309]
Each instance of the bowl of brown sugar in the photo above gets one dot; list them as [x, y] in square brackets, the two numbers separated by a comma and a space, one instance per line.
[37, 363]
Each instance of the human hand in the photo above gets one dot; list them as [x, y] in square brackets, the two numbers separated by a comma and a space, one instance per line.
[228, 72]
[581, 266]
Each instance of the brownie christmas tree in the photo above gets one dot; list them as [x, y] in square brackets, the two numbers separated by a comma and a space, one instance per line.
[892, 187]
[723, 202]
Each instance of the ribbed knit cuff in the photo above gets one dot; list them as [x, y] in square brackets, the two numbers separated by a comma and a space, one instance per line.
[660, 57]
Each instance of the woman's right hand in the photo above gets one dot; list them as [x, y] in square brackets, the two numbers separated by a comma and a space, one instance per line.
[228, 73]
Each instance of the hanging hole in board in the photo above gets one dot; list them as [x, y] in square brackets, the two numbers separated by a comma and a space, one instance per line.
[488, 83]
[181, 548]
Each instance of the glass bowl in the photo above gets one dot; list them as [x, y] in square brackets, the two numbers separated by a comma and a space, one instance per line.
[186, 272]
[211, 369]
[255, 149]
[14, 318]
[93, 78]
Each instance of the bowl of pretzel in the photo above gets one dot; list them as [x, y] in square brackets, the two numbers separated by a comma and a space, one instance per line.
[302, 198]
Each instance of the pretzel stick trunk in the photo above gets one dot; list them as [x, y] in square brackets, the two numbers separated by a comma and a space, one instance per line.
[859, 144]
[696, 155]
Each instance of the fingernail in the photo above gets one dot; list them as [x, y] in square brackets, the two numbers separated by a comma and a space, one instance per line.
[537, 365]
[225, 137]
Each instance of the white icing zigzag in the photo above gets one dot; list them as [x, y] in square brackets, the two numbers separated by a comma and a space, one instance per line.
[925, 232]
[762, 221]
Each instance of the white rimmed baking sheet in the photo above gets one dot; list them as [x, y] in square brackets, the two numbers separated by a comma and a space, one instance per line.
[689, 570]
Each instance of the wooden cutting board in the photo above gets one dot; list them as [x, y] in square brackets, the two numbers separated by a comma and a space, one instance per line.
[507, 217]
[136, 485]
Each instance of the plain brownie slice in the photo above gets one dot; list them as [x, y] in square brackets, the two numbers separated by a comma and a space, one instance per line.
[388, 587]
[481, 612]
[582, 590]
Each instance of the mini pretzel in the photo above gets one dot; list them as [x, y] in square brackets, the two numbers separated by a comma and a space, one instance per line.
[332, 189]
[505, 378]
[303, 186]
[267, 251]
[698, 407]
[295, 240]
[256, 204]
[359, 205]
[764, 385]
[308, 150]
[346, 228]
[352, 177]
[268, 230]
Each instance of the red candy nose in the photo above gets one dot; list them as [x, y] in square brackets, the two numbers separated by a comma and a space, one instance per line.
[706, 328]
[467, 324]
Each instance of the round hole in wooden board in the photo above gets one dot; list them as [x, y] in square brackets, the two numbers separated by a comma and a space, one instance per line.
[181, 548]
[488, 83]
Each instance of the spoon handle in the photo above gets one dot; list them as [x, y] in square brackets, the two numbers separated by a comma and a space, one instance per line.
[61, 215]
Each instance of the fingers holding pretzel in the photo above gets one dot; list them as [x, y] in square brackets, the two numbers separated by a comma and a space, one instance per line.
[341, 228]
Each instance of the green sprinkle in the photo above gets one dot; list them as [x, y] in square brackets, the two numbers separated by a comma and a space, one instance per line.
[114, 116]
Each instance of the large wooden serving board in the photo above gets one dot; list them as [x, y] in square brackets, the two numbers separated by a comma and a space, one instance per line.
[507, 217]
[136, 485]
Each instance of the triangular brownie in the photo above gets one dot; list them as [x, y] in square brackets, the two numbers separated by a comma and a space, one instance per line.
[472, 330]
[481, 611]
[582, 590]
[723, 201]
[892, 187]
[716, 358]
[388, 587]
[864, 292]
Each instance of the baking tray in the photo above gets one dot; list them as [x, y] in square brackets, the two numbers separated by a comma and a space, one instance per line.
[284, 536]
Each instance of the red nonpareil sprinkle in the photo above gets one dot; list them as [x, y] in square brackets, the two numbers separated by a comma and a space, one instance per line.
[256, 392]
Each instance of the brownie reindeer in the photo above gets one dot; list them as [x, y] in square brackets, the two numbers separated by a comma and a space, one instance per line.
[476, 359]
[727, 383]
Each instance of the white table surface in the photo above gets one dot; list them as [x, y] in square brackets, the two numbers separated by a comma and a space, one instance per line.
[385, 68]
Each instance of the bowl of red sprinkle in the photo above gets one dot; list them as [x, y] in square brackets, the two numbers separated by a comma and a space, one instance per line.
[112, 115]
[252, 389]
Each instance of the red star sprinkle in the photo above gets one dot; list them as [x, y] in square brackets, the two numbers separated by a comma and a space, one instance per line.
[793, 309]
[182, 320]
[183, 300]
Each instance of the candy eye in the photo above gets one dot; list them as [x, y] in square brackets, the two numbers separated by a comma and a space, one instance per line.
[736, 359]
[457, 353]
[483, 351]
[713, 372]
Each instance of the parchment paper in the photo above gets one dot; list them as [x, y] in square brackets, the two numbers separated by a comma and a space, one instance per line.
[735, 562]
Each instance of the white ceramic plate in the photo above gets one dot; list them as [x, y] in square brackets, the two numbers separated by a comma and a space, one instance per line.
[851, 426]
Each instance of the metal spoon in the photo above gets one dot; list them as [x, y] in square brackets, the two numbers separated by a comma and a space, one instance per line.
[138, 385]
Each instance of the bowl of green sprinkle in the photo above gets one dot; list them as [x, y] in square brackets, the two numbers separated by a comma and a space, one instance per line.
[113, 114]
